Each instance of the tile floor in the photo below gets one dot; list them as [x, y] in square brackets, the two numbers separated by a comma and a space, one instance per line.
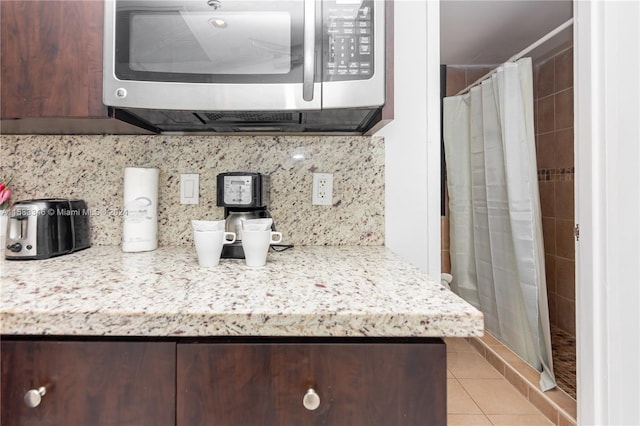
[477, 394]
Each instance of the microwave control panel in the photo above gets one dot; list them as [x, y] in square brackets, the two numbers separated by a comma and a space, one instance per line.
[348, 47]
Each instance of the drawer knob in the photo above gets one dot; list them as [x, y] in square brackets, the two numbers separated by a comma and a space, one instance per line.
[311, 400]
[33, 397]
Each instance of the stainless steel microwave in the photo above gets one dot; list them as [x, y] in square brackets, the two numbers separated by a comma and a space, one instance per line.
[225, 65]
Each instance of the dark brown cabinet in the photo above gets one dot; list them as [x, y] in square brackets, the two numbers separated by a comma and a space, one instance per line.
[355, 383]
[51, 59]
[51, 69]
[88, 383]
[225, 381]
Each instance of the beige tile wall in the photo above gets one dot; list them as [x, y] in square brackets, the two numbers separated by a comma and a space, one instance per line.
[553, 79]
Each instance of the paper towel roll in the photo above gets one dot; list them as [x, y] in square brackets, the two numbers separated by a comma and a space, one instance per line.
[140, 225]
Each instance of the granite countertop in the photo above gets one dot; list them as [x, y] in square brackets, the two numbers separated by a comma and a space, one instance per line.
[305, 291]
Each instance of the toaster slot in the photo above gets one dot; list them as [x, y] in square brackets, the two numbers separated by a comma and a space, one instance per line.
[21, 233]
[19, 225]
[19, 229]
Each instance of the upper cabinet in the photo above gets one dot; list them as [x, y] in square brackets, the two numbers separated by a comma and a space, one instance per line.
[51, 68]
[51, 59]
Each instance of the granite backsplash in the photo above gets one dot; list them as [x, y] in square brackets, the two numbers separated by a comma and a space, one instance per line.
[92, 168]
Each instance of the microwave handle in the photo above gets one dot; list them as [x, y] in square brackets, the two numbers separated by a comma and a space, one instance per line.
[309, 49]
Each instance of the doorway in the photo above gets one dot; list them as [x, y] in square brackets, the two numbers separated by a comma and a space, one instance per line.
[554, 121]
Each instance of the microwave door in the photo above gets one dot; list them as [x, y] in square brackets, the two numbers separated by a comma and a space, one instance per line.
[252, 44]
[187, 55]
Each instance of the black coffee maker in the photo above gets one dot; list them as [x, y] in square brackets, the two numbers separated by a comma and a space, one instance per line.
[244, 195]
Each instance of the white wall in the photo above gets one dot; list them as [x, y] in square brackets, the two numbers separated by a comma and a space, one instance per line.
[607, 93]
[607, 111]
[412, 140]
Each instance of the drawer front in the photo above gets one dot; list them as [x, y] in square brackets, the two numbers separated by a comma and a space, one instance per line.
[88, 383]
[356, 383]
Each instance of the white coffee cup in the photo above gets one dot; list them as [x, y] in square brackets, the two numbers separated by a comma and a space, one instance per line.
[209, 246]
[256, 245]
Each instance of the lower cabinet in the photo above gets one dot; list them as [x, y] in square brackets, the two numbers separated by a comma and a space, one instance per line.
[312, 384]
[224, 381]
[87, 383]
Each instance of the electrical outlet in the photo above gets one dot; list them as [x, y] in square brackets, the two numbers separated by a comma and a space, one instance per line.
[322, 191]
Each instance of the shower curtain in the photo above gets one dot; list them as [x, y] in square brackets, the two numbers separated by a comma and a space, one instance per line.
[497, 254]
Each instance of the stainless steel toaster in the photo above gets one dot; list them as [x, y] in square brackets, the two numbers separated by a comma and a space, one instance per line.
[44, 228]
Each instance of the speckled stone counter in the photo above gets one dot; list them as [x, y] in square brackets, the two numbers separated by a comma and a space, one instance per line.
[305, 291]
[94, 169]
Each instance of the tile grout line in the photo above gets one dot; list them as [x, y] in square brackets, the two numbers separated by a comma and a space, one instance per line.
[502, 378]
[488, 351]
[471, 398]
[560, 413]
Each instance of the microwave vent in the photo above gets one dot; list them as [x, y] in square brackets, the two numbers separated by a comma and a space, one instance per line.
[347, 120]
[214, 116]
[251, 117]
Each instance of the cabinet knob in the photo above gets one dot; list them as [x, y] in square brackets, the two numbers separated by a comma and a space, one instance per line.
[311, 400]
[33, 397]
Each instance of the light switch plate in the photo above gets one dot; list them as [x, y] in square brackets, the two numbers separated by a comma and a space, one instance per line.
[189, 188]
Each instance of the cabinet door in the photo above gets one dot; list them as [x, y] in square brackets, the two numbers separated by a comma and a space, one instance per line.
[89, 383]
[242, 384]
[381, 383]
[357, 383]
[51, 58]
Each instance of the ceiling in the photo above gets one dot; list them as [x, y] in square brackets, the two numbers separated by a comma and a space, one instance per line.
[488, 32]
